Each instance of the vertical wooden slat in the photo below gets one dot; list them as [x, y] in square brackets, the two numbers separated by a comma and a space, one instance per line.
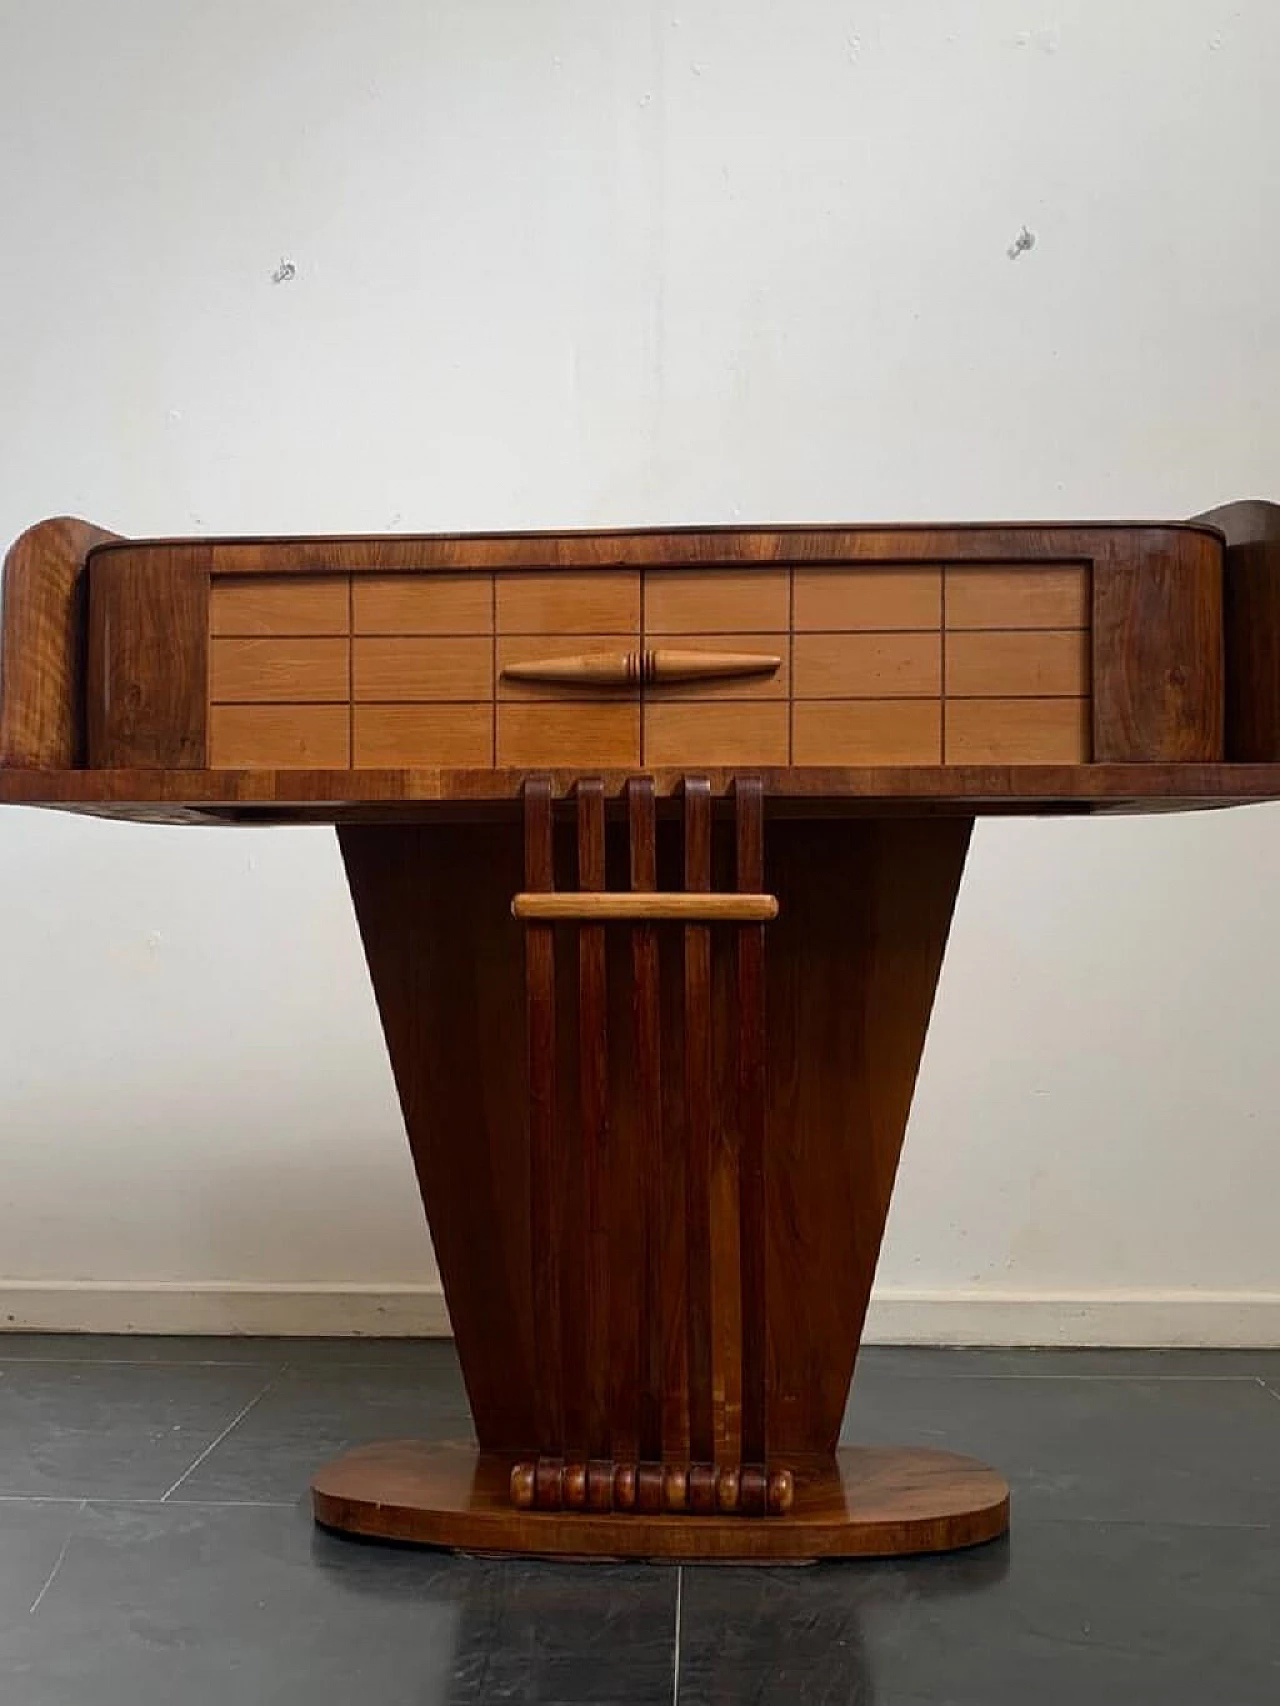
[544, 1163]
[649, 1169]
[592, 1270]
[749, 825]
[698, 1132]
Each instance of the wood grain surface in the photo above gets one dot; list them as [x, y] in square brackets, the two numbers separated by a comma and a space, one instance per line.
[147, 672]
[275, 793]
[1158, 693]
[557, 553]
[1011, 604]
[43, 642]
[869, 1503]
[1251, 622]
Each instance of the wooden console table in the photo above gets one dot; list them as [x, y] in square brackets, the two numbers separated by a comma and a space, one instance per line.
[653, 840]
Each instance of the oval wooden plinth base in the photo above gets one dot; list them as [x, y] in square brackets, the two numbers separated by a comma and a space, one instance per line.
[871, 1502]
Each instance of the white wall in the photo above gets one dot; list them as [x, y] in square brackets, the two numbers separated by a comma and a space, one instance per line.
[562, 264]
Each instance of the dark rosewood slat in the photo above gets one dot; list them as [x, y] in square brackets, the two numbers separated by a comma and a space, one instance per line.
[749, 824]
[648, 1162]
[545, 1163]
[591, 1318]
[698, 1123]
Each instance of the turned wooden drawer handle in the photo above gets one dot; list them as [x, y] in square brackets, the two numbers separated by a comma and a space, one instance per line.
[641, 668]
[601, 907]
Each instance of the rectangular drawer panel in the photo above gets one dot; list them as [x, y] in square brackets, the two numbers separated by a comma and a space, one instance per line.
[407, 735]
[679, 733]
[572, 734]
[1017, 731]
[867, 666]
[868, 598]
[716, 601]
[415, 667]
[279, 737]
[867, 731]
[572, 602]
[288, 605]
[1043, 664]
[293, 671]
[539, 648]
[423, 604]
[1054, 597]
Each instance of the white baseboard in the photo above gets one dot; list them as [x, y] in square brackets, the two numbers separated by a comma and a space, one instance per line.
[977, 1317]
[1165, 1319]
[305, 1311]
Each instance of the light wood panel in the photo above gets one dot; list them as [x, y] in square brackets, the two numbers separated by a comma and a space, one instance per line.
[294, 671]
[867, 731]
[414, 667]
[537, 648]
[719, 732]
[868, 598]
[281, 607]
[776, 685]
[280, 737]
[868, 666]
[1056, 596]
[423, 604]
[1017, 731]
[1041, 664]
[601, 602]
[711, 601]
[578, 732]
[395, 735]
[625, 908]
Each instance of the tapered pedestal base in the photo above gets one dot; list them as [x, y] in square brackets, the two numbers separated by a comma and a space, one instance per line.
[870, 1502]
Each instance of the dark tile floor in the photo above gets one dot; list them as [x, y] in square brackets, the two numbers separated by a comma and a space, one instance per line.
[155, 1545]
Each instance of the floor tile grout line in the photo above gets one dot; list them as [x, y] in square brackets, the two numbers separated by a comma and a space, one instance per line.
[57, 1565]
[1136, 1375]
[132, 1499]
[151, 1362]
[675, 1663]
[214, 1444]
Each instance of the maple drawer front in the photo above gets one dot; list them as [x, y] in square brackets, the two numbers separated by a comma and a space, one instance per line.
[867, 666]
[422, 604]
[869, 598]
[406, 736]
[280, 737]
[1017, 731]
[679, 734]
[279, 606]
[570, 734]
[413, 667]
[568, 602]
[867, 731]
[296, 672]
[716, 601]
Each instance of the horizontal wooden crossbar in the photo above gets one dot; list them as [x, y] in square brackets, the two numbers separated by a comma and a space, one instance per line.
[602, 908]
